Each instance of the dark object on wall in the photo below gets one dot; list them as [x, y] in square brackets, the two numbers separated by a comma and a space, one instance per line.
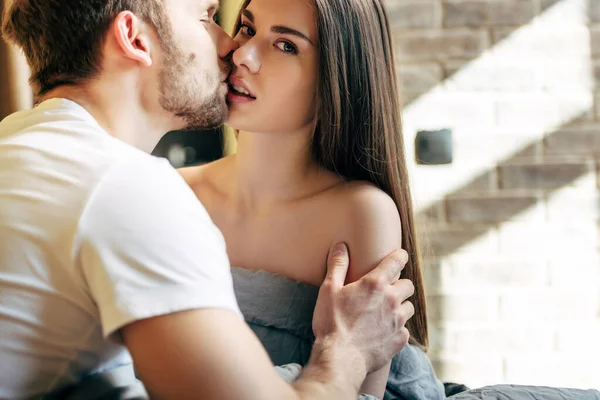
[186, 148]
[434, 147]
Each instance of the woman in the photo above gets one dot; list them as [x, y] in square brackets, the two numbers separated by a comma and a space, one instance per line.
[320, 160]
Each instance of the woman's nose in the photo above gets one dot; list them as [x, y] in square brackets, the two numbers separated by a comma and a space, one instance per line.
[247, 55]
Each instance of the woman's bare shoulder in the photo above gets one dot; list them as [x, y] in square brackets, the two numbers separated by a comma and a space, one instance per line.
[368, 221]
[363, 197]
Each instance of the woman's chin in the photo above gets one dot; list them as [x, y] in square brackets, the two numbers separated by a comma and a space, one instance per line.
[233, 122]
[237, 119]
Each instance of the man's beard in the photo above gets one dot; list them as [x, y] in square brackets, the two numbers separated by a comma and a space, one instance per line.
[181, 94]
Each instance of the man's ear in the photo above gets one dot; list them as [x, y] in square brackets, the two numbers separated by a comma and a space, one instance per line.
[132, 38]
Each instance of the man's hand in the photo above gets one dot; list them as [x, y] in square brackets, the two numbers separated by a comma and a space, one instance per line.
[369, 315]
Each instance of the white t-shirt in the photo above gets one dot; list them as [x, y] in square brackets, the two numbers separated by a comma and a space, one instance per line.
[94, 234]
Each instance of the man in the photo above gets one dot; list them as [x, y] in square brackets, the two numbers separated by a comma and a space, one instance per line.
[106, 254]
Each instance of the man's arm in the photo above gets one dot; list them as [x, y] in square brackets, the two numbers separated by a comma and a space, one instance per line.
[212, 354]
[202, 354]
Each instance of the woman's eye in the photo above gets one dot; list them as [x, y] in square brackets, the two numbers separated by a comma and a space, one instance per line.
[287, 47]
[247, 30]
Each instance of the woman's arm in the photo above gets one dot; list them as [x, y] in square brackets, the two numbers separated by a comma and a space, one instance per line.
[372, 230]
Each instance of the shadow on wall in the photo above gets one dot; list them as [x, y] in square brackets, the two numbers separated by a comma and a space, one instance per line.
[427, 56]
[556, 158]
[513, 186]
[541, 80]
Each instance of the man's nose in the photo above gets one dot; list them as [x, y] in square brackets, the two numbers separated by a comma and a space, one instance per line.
[225, 44]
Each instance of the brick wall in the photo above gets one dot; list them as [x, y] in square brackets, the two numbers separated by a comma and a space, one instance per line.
[513, 267]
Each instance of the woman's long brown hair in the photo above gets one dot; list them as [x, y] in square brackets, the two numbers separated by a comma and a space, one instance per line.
[359, 128]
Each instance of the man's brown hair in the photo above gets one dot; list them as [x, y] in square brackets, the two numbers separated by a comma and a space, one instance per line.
[62, 39]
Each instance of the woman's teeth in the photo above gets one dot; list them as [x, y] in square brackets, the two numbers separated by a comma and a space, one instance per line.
[240, 90]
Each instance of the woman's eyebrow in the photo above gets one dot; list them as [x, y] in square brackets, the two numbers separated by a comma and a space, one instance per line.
[284, 30]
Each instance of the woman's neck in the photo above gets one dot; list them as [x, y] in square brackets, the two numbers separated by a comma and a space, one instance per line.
[273, 168]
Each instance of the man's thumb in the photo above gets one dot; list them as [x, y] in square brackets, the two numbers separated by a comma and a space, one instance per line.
[337, 264]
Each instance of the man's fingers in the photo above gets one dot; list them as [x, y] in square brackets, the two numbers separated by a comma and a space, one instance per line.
[404, 288]
[391, 267]
[406, 311]
[404, 337]
[337, 265]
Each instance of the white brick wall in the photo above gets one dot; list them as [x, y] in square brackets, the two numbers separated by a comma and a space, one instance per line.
[511, 228]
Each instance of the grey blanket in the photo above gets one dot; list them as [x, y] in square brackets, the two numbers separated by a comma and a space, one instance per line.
[516, 392]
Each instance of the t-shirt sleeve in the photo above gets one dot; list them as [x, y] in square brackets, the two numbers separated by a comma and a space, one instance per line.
[147, 247]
